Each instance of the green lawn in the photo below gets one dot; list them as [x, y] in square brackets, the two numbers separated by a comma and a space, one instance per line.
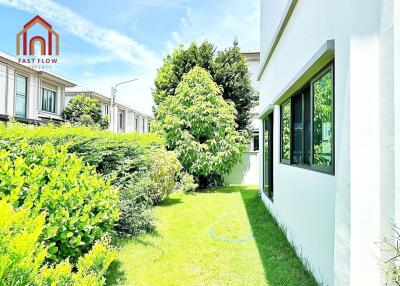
[220, 237]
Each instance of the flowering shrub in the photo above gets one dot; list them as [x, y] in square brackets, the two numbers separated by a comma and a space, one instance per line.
[79, 206]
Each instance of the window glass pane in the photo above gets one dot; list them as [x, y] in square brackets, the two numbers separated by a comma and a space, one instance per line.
[20, 96]
[323, 120]
[266, 155]
[307, 126]
[297, 129]
[48, 100]
[286, 131]
[256, 143]
[50, 94]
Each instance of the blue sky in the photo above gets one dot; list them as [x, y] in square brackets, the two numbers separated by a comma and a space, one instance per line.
[105, 42]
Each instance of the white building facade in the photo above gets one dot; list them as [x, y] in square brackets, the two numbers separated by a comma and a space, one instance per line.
[30, 95]
[246, 172]
[123, 119]
[329, 84]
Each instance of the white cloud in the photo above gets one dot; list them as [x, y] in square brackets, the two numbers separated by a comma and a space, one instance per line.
[121, 46]
[142, 61]
[220, 22]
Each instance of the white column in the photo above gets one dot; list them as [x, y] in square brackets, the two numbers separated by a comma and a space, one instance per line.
[3, 89]
[11, 92]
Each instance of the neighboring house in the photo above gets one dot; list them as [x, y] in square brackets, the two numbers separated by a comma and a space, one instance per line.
[330, 138]
[30, 95]
[122, 118]
[246, 172]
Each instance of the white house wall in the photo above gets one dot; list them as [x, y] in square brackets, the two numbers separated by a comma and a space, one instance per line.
[336, 221]
[304, 200]
[246, 172]
[3, 82]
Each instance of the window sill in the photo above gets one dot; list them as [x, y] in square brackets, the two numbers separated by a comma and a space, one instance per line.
[48, 113]
[319, 169]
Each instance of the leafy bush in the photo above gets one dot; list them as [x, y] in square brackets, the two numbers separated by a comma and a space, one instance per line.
[83, 110]
[22, 255]
[115, 156]
[163, 169]
[136, 218]
[122, 158]
[80, 207]
[186, 183]
[200, 126]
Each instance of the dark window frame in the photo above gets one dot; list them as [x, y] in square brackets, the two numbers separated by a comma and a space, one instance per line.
[47, 107]
[310, 84]
[256, 138]
[25, 78]
[284, 160]
[268, 123]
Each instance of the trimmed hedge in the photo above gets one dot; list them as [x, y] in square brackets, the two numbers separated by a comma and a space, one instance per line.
[138, 165]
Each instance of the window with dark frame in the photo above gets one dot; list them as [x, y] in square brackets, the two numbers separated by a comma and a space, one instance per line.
[307, 133]
[48, 100]
[121, 121]
[256, 143]
[268, 156]
[21, 92]
[285, 131]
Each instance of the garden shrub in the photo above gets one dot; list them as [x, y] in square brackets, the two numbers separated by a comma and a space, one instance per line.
[22, 255]
[124, 159]
[163, 169]
[115, 156]
[79, 206]
[186, 183]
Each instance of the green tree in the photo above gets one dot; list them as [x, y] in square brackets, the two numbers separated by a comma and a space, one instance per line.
[200, 126]
[227, 68]
[83, 110]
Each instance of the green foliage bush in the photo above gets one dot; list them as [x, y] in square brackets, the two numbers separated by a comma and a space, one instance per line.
[200, 126]
[83, 110]
[227, 68]
[22, 254]
[115, 156]
[186, 183]
[124, 159]
[163, 169]
[79, 206]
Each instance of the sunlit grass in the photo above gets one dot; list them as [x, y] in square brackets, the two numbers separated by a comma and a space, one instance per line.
[221, 237]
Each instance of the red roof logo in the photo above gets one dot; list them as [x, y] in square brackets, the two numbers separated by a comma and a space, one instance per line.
[46, 47]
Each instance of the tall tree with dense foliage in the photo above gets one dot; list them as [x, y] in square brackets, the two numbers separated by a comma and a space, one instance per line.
[83, 110]
[227, 68]
[200, 126]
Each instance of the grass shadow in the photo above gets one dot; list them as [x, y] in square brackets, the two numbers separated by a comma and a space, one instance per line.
[280, 262]
[170, 202]
[115, 275]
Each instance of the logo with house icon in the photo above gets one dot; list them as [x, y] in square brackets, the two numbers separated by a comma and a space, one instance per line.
[48, 47]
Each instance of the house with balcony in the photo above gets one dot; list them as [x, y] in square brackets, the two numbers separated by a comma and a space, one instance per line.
[30, 95]
[122, 118]
[329, 82]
